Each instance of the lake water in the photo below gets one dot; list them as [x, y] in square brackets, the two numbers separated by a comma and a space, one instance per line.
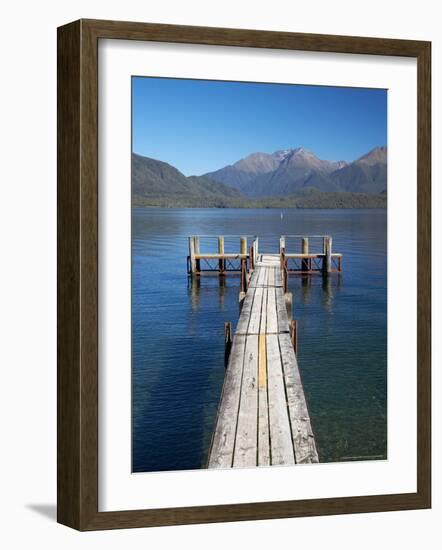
[178, 338]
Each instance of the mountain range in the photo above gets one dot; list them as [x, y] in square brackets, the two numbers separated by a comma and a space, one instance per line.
[291, 177]
[286, 172]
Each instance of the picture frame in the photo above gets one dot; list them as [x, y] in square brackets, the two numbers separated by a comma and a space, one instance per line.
[78, 292]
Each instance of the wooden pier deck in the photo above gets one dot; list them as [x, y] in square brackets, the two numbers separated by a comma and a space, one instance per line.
[305, 262]
[263, 418]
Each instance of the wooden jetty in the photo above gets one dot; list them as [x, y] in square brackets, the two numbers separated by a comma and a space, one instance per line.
[263, 418]
[307, 261]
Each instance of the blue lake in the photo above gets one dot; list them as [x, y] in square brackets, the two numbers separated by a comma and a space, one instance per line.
[178, 338]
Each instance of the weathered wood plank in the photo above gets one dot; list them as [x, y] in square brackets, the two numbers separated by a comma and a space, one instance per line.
[302, 434]
[244, 319]
[272, 315]
[281, 443]
[261, 276]
[245, 453]
[283, 320]
[270, 259]
[263, 323]
[278, 277]
[257, 278]
[255, 314]
[254, 278]
[223, 442]
[263, 411]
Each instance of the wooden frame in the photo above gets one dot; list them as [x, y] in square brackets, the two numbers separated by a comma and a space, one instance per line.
[78, 274]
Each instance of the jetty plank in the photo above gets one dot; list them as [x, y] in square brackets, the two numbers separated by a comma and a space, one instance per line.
[223, 442]
[263, 413]
[272, 315]
[255, 314]
[302, 433]
[280, 434]
[247, 436]
[244, 319]
[281, 312]
[263, 324]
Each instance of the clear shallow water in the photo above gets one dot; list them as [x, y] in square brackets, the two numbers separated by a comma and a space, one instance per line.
[178, 341]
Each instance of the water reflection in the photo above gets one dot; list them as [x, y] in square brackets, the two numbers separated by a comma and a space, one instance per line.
[330, 286]
[194, 286]
[305, 286]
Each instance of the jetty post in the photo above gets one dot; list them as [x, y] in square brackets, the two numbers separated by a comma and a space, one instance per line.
[197, 252]
[244, 271]
[288, 296]
[221, 261]
[327, 261]
[192, 255]
[305, 266]
[243, 246]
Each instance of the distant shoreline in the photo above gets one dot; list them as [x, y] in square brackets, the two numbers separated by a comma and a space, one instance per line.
[317, 201]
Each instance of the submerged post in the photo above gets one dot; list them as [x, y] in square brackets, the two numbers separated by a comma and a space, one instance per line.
[192, 255]
[221, 261]
[305, 261]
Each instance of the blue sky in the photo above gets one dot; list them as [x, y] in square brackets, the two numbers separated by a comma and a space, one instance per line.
[199, 126]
